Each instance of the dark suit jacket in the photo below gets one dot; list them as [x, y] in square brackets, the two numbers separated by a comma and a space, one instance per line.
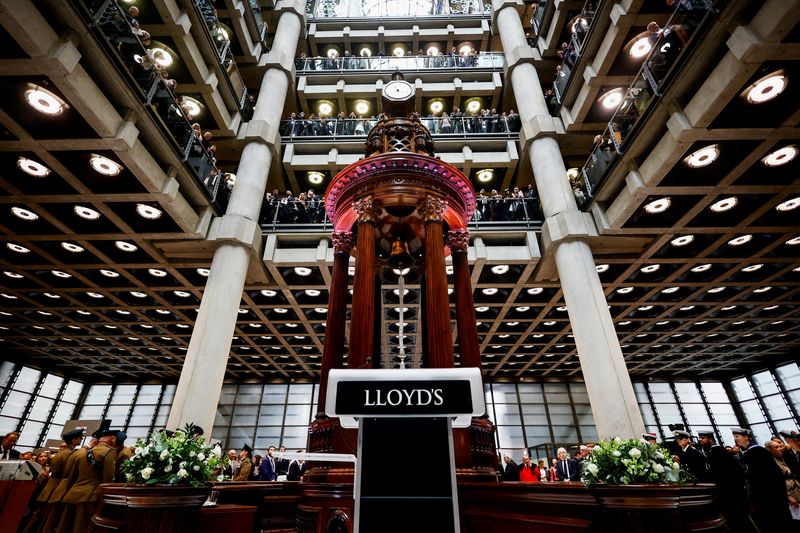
[296, 471]
[266, 472]
[765, 485]
[574, 470]
[13, 454]
[694, 461]
[511, 471]
[792, 460]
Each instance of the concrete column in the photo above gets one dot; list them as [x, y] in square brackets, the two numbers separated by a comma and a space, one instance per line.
[362, 319]
[203, 372]
[333, 350]
[566, 229]
[458, 242]
[437, 305]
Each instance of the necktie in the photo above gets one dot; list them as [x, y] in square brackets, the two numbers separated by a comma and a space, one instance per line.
[566, 468]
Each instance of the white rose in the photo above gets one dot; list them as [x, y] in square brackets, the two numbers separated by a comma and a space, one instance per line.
[201, 456]
[139, 451]
[676, 466]
[146, 472]
[164, 454]
[182, 473]
[217, 451]
[168, 468]
[658, 468]
[592, 468]
[196, 468]
[617, 440]
[220, 478]
[635, 453]
[659, 455]
[616, 453]
[183, 464]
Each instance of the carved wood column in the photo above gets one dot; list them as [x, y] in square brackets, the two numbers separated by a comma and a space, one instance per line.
[362, 320]
[437, 305]
[333, 350]
[458, 242]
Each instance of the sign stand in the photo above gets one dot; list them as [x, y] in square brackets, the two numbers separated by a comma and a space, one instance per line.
[398, 413]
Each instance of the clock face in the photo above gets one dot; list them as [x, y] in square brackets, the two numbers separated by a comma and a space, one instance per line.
[398, 90]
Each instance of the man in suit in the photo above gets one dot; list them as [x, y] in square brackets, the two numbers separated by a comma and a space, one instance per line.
[7, 451]
[266, 472]
[728, 475]
[765, 484]
[691, 460]
[297, 467]
[510, 469]
[233, 464]
[96, 467]
[566, 467]
[245, 466]
[281, 463]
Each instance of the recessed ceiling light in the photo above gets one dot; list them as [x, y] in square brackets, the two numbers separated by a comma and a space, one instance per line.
[325, 109]
[752, 268]
[601, 268]
[473, 105]
[788, 205]
[24, 214]
[86, 212]
[504, 336]
[291, 325]
[538, 335]
[683, 240]
[766, 88]
[658, 206]
[535, 290]
[481, 309]
[255, 325]
[44, 101]
[514, 323]
[397, 292]
[203, 272]
[191, 106]
[302, 271]
[362, 107]
[701, 322]
[321, 310]
[489, 291]
[162, 311]
[794, 241]
[91, 295]
[12, 275]
[125, 246]
[729, 308]
[449, 290]
[624, 323]
[771, 307]
[316, 177]
[724, 205]
[268, 293]
[156, 272]
[44, 313]
[625, 290]
[641, 47]
[109, 273]
[702, 157]
[550, 323]
[645, 307]
[123, 312]
[701, 268]
[182, 294]
[105, 166]
[32, 168]
[649, 269]
[148, 211]
[611, 99]
[742, 239]
[561, 308]
[448, 270]
[436, 106]
[522, 308]
[146, 326]
[781, 156]
[485, 175]
[281, 310]
[716, 290]
[763, 289]
[70, 247]
[138, 294]
[161, 57]
[670, 290]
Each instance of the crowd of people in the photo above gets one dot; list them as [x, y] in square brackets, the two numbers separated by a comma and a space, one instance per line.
[757, 487]
[246, 466]
[511, 205]
[306, 208]
[434, 58]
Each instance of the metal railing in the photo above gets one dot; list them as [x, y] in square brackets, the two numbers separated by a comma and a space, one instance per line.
[481, 60]
[538, 16]
[299, 127]
[667, 53]
[570, 52]
[324, 9]
[492, 212]
[254, 8]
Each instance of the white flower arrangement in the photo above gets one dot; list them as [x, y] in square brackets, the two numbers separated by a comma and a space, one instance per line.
[624, 462]
[178, 458]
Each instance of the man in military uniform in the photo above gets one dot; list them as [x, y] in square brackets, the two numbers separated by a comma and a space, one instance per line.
[729, 477]
[245, 466]
[650, 438]
[56, 509]
[791, 455]
[691, 460]
[57, 464]
[765, 485]
[96, 467]
[123, 454]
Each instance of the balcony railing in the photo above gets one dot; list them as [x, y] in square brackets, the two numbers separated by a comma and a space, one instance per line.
[668, 52]
[537, 19]
[253, 7]
[482, 60]
[324, 9]
[494, 125]
[111, 24]
[492, 212]
[572, 52]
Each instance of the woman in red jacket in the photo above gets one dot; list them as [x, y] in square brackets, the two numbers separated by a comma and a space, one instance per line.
[529, 472]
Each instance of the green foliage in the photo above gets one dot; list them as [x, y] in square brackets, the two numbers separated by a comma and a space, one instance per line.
[180, 458]
[626, 462]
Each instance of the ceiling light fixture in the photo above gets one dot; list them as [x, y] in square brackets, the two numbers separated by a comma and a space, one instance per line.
[105, 166]
[625, 290]
[24, 214]
[485, 175]
[86, 213]
[302, 271]
[500, 269]
[436, 106]
[156, 273]
[658, 206]
[701, 268]
[702, 157]
[649, 269]
[533, 291]
[109, 273]
[763, 289]
[724, 205]
[44, 101]
[91, 295]
[61, 274]
[523, 309]
[362, 107]
[641, 47]
[182, 294]
[781, 156]
[161, 57]
[32, 168]
[70, 247]
[125, 246]
[601, 268]
[473, 105]
[325, 109]
[203, 272]
[281, 310]
[752, 268]
[740, 240]
[138, 294]
[788, 205]
[766, 88]
[683, 240]
[148, 211]
[13, 275]
[670, 290]
[315, 177]
[611, 99]
[793, 242]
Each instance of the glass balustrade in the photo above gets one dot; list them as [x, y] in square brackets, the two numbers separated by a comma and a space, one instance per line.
[254, 8]
[335, 63]
[321, 9]
[507, 125]
[570, 51]
[540, 7]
